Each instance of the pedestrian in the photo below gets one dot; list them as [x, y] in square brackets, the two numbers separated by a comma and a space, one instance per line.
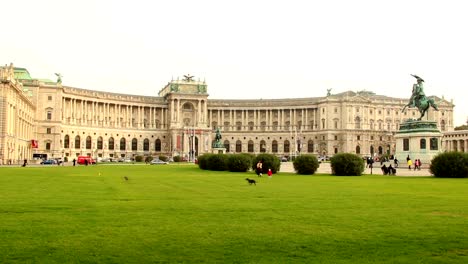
[74, 162]
[395, 161]
[259, 168]
[269, 173]
[407, 158]
[25, 162]
[410, 163]
[419, 164]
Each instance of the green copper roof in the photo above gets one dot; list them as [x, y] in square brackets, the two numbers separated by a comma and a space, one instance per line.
[22, 74]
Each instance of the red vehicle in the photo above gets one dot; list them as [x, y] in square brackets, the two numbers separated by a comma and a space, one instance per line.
[85, 160]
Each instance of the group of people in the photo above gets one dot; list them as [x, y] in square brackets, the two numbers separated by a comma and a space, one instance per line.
[417, 163]
[388, 170]
[259, 170]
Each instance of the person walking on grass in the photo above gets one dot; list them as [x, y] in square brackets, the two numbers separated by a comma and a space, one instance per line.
[259, 168]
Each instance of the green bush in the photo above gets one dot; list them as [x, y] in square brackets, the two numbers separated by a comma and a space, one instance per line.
[148, 158]
[450, 165]
[269, 162]
[238, 162]
[177, 158]
[163, 158]
[306, 164]
[217, 162]
[347, 164]
[203, 161]
[138, 158]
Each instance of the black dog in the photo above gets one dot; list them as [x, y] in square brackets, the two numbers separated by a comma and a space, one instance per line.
[251, 181]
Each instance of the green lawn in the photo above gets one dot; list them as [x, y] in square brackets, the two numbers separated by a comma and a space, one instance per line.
[180, 214]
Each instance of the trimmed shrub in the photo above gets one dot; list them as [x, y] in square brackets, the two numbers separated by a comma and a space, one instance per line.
[269, 161]
[138, 158]
[148, 158]
[163, 158]
[450, 165]
[217, 162]
[177, 158]
[347, 164]
[203, 161]
[306, 164]
[238, 162]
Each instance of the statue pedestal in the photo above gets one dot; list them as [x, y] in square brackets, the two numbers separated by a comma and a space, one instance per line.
[218, 150]
[418, 139]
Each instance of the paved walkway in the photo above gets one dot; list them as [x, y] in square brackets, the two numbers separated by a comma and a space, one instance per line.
[325, 168]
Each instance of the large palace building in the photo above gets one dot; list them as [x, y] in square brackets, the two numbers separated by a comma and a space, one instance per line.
[43, 118]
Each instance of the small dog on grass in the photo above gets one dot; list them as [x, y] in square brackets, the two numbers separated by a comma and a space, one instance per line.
[250, 181]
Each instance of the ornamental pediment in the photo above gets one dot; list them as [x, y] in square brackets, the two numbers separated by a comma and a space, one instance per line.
[359, 99]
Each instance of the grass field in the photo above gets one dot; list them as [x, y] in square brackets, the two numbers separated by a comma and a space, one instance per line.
[180, 214]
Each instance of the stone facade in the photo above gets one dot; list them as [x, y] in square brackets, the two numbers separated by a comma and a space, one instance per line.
[68, 121]
[456, 141]
[17, 118]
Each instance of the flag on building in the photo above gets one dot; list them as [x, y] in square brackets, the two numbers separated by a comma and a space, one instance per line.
[34, 143]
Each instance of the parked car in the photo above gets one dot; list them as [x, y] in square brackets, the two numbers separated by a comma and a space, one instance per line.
[48, 162]
[158, 162]
[284, 159]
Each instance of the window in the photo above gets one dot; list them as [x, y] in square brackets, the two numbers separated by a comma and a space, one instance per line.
[286, 146]
[49, 98]
[336, 110]
[77, 142]
[226, 145]
[358, 150]
[406, 144]
[146, 144]
[262, 146]
[47, 145]
[274, 146]
[251, 125]
[310, 146]
[238, 146]
[111, 143]
[434, 144]
[49, 115]
[250, 147]
[134, 144]
[336, 124]
[123, 142]
[357, 124]
[358, 137]
[49, 130]
[66, 142]
[99, 143]
[88, 142]
[157, 145]
[422, 143]
[336, 137]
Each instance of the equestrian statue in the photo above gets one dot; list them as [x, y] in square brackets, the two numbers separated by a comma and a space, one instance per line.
[418, 98]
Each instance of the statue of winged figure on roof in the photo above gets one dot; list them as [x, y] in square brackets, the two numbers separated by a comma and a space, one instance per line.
[59, 78]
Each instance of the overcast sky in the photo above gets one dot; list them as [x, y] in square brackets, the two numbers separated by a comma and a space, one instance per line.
[244, 49]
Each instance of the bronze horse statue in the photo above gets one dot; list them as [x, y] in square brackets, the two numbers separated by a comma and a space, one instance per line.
[422, 104]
